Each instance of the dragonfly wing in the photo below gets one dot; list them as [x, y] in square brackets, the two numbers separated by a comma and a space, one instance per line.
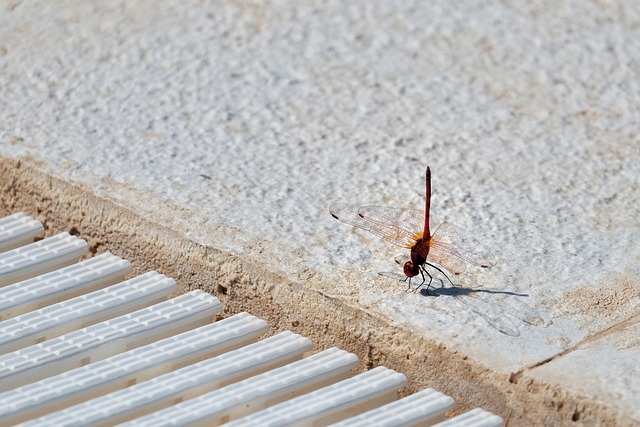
[450, 242]
[396, 225]
[451, 263]
[490, 313]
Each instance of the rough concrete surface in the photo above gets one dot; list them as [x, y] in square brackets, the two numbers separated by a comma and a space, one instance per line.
[207, 140]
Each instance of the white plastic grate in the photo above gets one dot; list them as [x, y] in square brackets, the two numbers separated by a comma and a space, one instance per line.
[119, 371]
[80, 346]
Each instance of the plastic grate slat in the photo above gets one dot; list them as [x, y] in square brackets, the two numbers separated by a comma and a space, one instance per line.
[475, 418]
[425, 407]
[256, 392]
[184, 383]
[40, 257]
[333, 402]
[105, 339]
[57, 319]
[18, 230]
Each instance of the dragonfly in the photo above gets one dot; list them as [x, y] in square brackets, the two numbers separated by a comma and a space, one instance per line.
[449, 248]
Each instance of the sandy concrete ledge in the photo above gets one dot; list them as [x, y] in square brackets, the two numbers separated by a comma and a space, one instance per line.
[245, 284]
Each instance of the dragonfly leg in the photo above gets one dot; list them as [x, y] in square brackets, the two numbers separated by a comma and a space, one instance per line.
[422, 272]
[405, 280]
[440, 270]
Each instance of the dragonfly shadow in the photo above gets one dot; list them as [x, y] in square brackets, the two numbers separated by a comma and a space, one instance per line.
[452, 290]
[461, 291]
[467, 299]
[498, 317]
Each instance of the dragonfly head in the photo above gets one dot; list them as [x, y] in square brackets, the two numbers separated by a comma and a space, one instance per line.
[411, 269]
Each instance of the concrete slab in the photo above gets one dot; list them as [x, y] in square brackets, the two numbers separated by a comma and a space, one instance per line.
[236, 124]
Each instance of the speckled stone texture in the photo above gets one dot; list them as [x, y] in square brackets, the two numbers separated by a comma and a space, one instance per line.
[207, 140]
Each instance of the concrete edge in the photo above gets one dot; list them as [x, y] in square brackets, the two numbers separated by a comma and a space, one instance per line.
[249, 285]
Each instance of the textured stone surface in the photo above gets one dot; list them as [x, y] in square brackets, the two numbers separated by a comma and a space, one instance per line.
[234, 125]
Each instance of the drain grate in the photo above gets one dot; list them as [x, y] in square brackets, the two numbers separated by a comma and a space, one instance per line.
[80, 346]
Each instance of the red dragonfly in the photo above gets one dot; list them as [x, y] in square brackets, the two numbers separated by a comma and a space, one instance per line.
[449, 247]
